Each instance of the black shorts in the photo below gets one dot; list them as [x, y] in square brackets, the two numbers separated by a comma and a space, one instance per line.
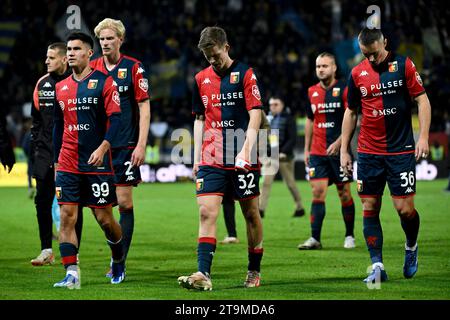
[94, 191]
[124, 173]
[327, 167]
[398, 170]
[217, 181]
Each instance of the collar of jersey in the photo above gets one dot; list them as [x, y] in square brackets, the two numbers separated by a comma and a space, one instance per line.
[115, 67]
[228, 71]
[87, 76]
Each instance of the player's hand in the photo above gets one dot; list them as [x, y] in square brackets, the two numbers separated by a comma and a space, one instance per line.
[96, 158]
[306, 153]
[138, 156]
[422, 149]
[333, 149]
[195, 170]
[346, 163]
[283, 156]
[241, 164]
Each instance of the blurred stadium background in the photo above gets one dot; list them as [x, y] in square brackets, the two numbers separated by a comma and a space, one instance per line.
[279, 38]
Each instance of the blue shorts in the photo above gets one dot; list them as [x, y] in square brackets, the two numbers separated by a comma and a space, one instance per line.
[94, 191]
[327, 167]
[398, 170]
[216, 181]
[124, 173]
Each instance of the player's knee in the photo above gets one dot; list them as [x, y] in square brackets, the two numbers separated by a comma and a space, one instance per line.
[318, 193]
[205, 212]
[345, 197]
[406, 211]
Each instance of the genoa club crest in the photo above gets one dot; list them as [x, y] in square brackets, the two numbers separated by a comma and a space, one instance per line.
[336, 92]
[92, 84]
[360, 185]
[58, 192]
[199, 184]
[122, 73]
[234, 77]
[393, 66]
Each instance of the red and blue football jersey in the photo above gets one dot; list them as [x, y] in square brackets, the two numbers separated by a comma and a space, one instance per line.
[85, 106]
[225, 101]
[132, 85]
[386, 96]
[326, 110]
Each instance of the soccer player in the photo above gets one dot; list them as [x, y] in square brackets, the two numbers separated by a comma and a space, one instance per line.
[328, 100]
[281, 119]
[227, 106]
[128, 149]
[386, 87]
[42, 113]
[87, 120]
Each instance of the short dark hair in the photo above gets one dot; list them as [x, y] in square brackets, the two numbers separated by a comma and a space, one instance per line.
[327, 54]
[212, 36]
[368, 36]
[82, 37]
[60, 46]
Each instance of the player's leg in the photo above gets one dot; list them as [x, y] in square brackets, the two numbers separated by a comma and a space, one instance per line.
[319, 173]
[319, 189]
[371, 181]
[287, 171]
[68, 247]
[211, 185]
[402, 183]
[265, 193]
[68, 189]
[255, 241]
[113, 234]
[126, 177]
[229, 214]
[79, 225]
[45, 193]
[126, 210]
[348, 213]
[246, 190]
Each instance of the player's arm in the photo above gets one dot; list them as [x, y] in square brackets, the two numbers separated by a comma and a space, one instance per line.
[253, 104]
[349, 121]
[138, 155]
[244, 156]
[58, 129]
[112, 108]
[198, 109]
[417, 92]
[199, 124]
[422, 147]
[308, 138]
[140, 85]
[36, 122]
[348, 128]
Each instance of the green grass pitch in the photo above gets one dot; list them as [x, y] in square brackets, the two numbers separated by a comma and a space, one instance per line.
[164, 247]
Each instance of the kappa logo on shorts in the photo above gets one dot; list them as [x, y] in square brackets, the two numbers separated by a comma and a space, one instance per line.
[58, 192]
[360, 185]
[409, 190]
[130, 178]
[248, 192]
[199, 184]
[312, 172]
[101, 201]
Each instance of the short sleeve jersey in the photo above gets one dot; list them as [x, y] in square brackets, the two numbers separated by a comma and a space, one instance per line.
[132, 85]
[225, 101]
[326, 110]
[85, 106]
[385, 95]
